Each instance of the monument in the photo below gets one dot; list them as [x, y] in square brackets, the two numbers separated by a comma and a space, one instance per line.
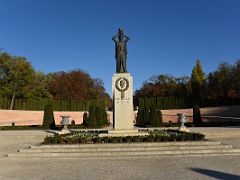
[122, 87]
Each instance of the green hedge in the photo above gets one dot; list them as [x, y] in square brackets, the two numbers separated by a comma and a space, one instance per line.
[164, 102]
[58, 105]
[153, 136]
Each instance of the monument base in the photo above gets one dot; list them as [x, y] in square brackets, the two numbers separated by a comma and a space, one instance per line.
[184, 129]
[123, 114]
[123, 133]
[64, 130]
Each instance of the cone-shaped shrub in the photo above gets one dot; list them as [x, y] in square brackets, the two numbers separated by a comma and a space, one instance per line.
[104, 116]
[145, 120]
[85, 118]
[159, 113]
[98, 116]
[138, 119]
[48, 117]
[140, 116]
[197, 118]
[91, 119]
[153, 117]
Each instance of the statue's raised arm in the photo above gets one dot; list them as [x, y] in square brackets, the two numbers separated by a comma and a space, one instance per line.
[126, 38]
[121, 50]
[114, 38]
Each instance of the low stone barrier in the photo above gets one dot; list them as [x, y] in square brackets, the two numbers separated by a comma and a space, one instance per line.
[18, 117]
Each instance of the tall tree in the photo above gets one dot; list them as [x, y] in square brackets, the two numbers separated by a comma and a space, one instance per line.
[220, 84]
[198, 80]
[164, 86]
[236, 81]
[76, 85]
[40, 86]
[17, 74]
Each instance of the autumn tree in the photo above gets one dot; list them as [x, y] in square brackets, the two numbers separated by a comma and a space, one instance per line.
[223, 85]
[198, 80]
[76, 85]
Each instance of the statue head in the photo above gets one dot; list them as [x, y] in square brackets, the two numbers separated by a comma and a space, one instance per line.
[120, 30]
[120, 34]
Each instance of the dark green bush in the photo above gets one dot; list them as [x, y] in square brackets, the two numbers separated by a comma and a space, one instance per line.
[197, 118]
[48, 117]
[114, 139]
[105, 139]
[85, 118]
[140, 117]
[72, 122]
[153, 117]
[98, 116]
[154, 136]
[137, 139]
[145, 116]
[104, 117]
[159, 114]
[92, 118]
[138, 121]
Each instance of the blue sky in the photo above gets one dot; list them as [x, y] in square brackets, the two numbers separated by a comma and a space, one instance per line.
[167, 36]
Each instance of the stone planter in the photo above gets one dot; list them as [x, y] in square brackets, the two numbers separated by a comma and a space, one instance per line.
[182, 120]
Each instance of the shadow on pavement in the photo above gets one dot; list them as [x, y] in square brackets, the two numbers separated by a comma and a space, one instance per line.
[216, 174]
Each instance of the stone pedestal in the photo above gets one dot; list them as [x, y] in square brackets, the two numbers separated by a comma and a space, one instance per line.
[182, 120]
[122, 88]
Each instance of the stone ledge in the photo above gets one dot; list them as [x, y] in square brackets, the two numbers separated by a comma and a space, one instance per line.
[126, 132]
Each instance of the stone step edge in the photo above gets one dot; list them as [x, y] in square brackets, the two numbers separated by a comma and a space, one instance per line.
[16, 155]
[100, 149]
[183, 143]
[110, 153]
[131, 156]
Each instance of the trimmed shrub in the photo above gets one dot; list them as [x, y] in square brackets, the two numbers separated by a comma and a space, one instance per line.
[159, 113]
[85, 118]
[153, 117]
[154, 136]
[91, 119]
[72, 122]
[48, 117]
[141, 116]
[98, 116]
[138, 119]
[145, 120]
[104, 117]
[197, 118]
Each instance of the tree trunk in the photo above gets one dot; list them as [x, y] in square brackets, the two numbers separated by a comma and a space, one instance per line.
[13, 99]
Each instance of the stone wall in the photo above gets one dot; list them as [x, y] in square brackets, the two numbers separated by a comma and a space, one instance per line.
[36, 117]
[208, 113]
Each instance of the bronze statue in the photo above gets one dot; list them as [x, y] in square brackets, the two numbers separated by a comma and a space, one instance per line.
[121, 51]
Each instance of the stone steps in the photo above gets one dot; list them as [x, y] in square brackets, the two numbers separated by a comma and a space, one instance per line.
[142, 144]
[201, 148]
[106, 149]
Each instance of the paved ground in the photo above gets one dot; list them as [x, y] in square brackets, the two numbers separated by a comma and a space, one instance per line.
[220, 167]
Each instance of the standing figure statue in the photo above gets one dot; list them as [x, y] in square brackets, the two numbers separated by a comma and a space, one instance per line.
[121, 51]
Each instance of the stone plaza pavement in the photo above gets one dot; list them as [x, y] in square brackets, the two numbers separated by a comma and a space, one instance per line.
[166, 167]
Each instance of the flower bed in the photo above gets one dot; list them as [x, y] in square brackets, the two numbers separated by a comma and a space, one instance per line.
[154, 136]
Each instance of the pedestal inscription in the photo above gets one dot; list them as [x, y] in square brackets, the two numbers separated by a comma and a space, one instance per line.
[122, 101]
